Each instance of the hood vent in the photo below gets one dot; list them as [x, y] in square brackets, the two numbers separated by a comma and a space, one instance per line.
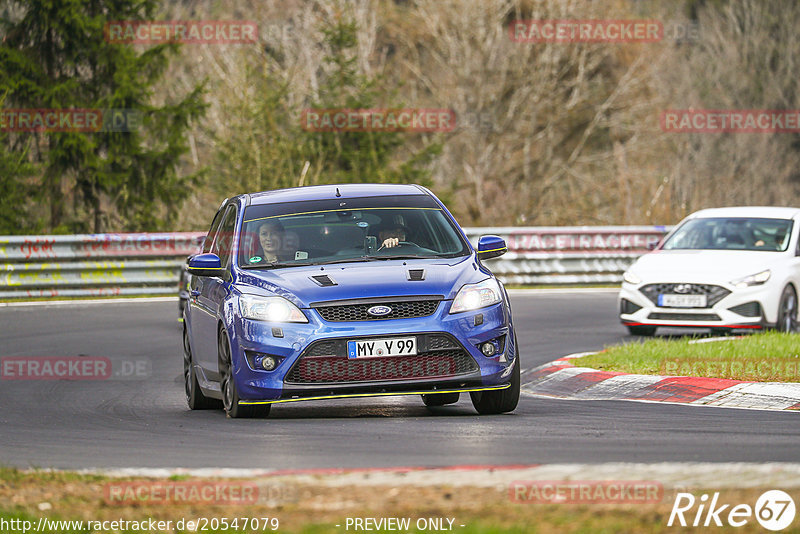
[415, 275]
[323, 280]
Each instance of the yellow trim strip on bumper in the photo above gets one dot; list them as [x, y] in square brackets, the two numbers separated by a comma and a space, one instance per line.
[382, 394]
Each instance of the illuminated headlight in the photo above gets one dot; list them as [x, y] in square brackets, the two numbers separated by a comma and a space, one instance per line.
[752, 280]
[631, 278]
[271, 309]
[476, 296]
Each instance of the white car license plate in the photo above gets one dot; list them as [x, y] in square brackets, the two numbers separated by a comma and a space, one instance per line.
[682, 301]
[379, 348]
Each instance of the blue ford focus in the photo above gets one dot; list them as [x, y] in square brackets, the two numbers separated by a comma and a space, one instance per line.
[342, 291]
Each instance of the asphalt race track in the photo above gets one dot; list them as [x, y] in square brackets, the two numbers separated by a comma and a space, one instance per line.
[143, 421]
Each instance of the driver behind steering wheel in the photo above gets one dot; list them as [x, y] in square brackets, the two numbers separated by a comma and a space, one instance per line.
[392, 235]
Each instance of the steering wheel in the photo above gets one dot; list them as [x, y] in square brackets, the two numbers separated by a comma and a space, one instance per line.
[401, 244]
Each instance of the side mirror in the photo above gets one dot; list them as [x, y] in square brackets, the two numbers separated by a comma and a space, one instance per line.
[491, 246]
[652, 245]
[205, 265]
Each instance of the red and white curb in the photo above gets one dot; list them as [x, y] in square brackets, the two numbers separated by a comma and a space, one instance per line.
[564, 380]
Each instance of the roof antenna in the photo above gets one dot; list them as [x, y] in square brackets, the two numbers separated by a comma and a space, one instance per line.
[338, 194]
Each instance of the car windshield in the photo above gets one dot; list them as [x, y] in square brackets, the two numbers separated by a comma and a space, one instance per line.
[344, 230]
[725, 233]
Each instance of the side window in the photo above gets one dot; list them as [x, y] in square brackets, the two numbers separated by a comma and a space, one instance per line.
[224, 238]
[212, 232]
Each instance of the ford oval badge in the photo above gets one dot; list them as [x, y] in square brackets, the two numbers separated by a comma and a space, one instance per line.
[379, 310]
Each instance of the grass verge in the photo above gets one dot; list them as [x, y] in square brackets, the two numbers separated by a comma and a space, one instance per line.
[763, 357]
[308, 508]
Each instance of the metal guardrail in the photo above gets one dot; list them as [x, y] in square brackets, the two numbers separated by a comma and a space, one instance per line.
[93, 265]
[150, 264]
[560, 255]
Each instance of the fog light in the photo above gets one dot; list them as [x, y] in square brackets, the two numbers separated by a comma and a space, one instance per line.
[488, 348]
[268, 363]
[259, 360]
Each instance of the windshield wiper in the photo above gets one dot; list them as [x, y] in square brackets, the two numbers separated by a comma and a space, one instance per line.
[347, 260]
[277, 264]
[404, 257]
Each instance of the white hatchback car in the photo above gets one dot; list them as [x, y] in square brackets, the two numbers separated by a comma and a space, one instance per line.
[723, 268]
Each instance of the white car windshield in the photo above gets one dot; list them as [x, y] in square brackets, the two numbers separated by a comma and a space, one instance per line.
[732, 233]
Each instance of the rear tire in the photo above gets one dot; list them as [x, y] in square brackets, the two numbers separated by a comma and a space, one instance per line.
[194, 395]
[646, 331]
[787, 311]
[502, 401]
[440, 399]
[230, 395]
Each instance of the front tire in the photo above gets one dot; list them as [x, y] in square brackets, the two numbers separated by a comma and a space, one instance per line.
[230, 395]
[787, 311]
[502, 401]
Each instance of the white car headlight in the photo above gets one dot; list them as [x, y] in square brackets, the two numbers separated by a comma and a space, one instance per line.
[752, 280]
[631, 278]
[271, 309]
[476, 296]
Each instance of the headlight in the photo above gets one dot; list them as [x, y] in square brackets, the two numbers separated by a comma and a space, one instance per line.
[475, 296]
[272, 309]
[752, 280]
[631, 278]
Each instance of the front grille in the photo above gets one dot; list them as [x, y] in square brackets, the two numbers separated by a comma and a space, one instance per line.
[326, 362]
[358, 311]
[436, 342]
[323, 348]
[713, 293]
[685, 316]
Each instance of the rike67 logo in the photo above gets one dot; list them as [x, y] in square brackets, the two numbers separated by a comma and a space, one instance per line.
[774, 510]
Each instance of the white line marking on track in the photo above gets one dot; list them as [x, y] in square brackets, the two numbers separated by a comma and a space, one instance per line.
[78, 302]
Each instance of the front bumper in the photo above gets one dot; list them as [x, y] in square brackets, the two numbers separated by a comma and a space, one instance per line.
[373, 392]
[741, 308]
[290, 342]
